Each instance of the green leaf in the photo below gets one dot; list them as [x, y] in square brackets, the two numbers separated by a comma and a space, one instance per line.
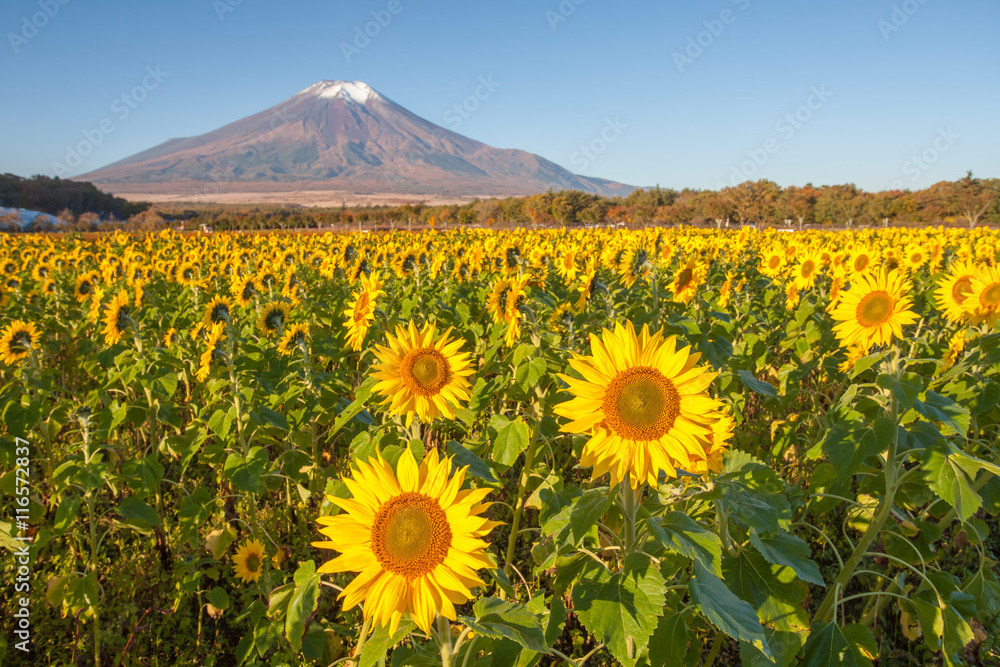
[679, 533]
[498, 619]
[510, 438]
[863, 364]
[727, 612]
[829, 644]
[218, 597]
[669, 642]
[574, 521]
[772, 590]
[786, 549]
[135, 508]
[219, 423]
[302, 603]
[756, 385]
[936, 407]
[381, 641]
[906, 388]
[245, 474]
[464, 457]
[147, 470]
[6, 539]
[361, 395]
[970, 464]
[621, 609]
[946, 478]
[848, 447]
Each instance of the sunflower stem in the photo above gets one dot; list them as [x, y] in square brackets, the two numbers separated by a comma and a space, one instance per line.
[881, 516]
[628, 510]
[444, 640]
[522, 487]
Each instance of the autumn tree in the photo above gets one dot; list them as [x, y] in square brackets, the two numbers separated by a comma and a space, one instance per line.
[971, 198]
[798, 203]
[840, 203]
[753, 201]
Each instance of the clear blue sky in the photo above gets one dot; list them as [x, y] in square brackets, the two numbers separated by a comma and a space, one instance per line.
[928, 89]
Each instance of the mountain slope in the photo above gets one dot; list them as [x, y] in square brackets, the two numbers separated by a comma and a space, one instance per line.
[344, 135]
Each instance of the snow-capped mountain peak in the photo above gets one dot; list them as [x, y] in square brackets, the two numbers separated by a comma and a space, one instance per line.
[356, 91]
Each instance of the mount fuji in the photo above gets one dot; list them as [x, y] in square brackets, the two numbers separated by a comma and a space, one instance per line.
[343, 136]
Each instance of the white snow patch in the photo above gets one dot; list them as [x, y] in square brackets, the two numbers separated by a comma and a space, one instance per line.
[356, 91]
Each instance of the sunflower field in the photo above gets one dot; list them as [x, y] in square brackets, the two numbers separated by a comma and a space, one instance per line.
[667, 446]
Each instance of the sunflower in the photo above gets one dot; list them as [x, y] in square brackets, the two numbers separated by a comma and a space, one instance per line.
[243, 289]
[217, 310]
[171, 338]
[954, 289]
[361, 311]
[983, 302]
[862, 260]
[634, 266]
[414, 537]
[562, 318]
[116, 318]
[805, 271]
[589, 285]
[504, 305]
[85, 283]
[421, 374]
[645, 405]
[566, 264]
[17, 341]
[685, 284]
[272, 317]
[294, 336]
[874, 309]
[772, 262]
[213, 350]
[249, 561]
[955, 348]
[726, 291]
[188, 274]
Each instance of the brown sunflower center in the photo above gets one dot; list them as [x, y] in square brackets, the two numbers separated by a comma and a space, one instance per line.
[990, 297]
[861, 262]
[961, 289]
[684, 278]
[252, 563]
[808, 267]
[641, 404]
[410, 535]
[425, 371]
[774, 262]
[874, 309]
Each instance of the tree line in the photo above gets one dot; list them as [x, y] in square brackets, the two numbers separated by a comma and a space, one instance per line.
[968, 201]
